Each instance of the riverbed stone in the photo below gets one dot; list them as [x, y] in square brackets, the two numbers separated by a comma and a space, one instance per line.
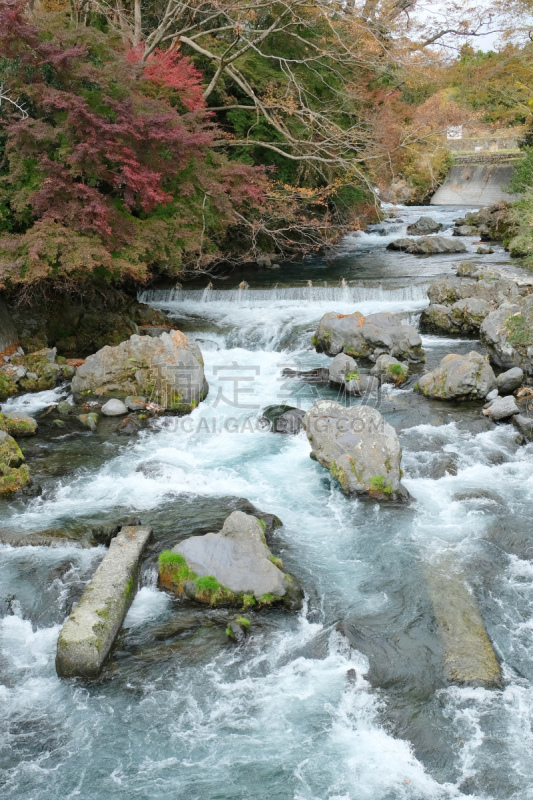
[423, 226]
[524, 425]
[114, 408]
[428, 245]
[17, 425]
[363, 386]
[359, 448]
[469, 313]
[88, 635]
[469, 658]
[168, 370]
[502, 408]
[465, 230]
[233, 567]
[508, 336]
[468, 377]
[390, 370]
[510, 380]
[129, 426]
[136, 403]
[340, 367]
[89, 421]
[437, 318]
[368, 337]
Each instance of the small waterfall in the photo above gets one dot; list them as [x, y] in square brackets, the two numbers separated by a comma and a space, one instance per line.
[246, 297]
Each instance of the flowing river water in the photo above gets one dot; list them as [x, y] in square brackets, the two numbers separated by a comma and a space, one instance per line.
[345, 700]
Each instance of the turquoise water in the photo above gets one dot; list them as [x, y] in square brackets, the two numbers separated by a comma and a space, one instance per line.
[182, 712]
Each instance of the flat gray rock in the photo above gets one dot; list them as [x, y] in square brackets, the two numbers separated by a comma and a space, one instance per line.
[237, 557]
[502, 408]
[88, 635]
[469, 658]
[428, 245]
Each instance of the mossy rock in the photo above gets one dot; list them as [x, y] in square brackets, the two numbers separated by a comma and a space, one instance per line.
[14, 474]
[18, 426]
[8, 387]
[237, 555]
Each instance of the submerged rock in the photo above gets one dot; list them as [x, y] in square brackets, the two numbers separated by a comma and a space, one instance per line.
[469, 658]
[359, 448]
[423, 226]
[238, 629]
[318, 376]
[129, 426]
[428, 245]
[524, 425]
[468, 377]
[169, 370]
[14, 474]
[88, 635]
[283, 419]
[233, 567]
[89, 421]
[368, 337]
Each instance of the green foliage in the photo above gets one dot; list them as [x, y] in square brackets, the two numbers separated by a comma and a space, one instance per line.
[207, 583]
[520, 330]
[243, 621]
[520, 242]
[248, 601]
[352, 376]
[522, 179]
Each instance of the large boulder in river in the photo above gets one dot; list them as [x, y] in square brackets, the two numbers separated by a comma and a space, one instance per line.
[359, 448]
[423, 226]
[428, 245]
[168, 370]
[233, 567]
[464, 316]
[468, 377]
[508, 335]
[368, 337]
[493, 288]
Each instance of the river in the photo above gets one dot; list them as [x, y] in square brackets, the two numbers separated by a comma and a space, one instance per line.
[180, 711]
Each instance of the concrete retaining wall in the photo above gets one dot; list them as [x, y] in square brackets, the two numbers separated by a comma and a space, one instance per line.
[475, 185]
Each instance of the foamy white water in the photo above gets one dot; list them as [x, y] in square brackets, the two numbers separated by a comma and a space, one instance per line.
[299, 712]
